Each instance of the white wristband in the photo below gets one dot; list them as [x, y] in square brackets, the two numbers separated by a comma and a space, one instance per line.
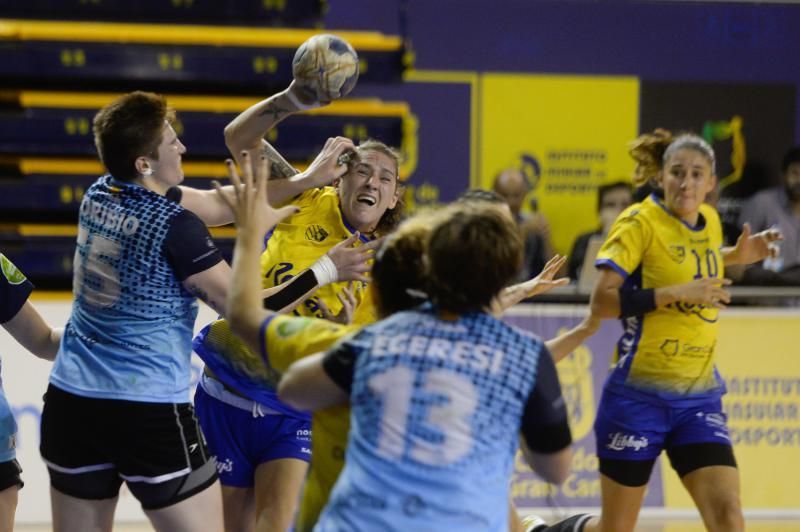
[297, 103]
[325, 271]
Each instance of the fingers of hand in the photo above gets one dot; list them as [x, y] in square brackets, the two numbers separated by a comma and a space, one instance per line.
[555, 258]
[247, 169]
[233, 175]
[373, 244]
[351, 293]
[285, 212]
[326, 313]
[746, 230]
[771, 235]
[221, 193]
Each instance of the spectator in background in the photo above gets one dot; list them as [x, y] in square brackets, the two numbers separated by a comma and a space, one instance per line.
[612, 199]
[779, 208]
[513, 186]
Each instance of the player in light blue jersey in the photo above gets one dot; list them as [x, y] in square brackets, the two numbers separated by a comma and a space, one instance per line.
[441, 394]
[117, 407]
[20, 318]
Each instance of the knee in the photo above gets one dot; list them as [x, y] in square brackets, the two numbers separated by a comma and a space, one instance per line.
[727, 515]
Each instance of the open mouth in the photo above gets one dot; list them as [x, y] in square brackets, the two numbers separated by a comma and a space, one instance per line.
[366, 199]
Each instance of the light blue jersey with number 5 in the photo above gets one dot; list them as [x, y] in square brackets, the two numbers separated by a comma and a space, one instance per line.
[129, 335]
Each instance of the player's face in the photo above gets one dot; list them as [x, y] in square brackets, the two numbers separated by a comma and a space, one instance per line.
[368, 189]
[686, 179]
[167, 169]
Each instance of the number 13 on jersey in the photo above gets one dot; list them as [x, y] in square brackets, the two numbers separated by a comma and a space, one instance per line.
[454, 399]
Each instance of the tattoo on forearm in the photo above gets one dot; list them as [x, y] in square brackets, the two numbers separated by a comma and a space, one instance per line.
[278, 165]
[275, 110]
[198, 292]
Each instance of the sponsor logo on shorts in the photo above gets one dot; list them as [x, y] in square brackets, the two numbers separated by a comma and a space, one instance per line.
[224, 466]
[715, 420]
[304, 434]
[620, 442]
[305, 450]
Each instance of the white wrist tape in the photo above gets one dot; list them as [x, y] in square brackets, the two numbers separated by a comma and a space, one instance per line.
[297, 103]
[325, 271]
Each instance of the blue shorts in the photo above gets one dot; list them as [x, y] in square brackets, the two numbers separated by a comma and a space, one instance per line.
[242, 436]
[632, 429]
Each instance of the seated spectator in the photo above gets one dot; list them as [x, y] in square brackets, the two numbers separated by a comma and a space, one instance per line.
[777, 208]
[612, 199]
[513, 186]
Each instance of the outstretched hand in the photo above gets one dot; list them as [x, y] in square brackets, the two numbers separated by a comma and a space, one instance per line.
[707, 291]
[347, 297]
[327, 166]
[752, 248]
[248, 198]
[545, 281]
[353, 262]
[306, 98]
[542, 283]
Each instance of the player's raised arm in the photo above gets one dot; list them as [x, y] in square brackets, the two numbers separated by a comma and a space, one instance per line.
[246, 132]
[247, 199]
[319, 381]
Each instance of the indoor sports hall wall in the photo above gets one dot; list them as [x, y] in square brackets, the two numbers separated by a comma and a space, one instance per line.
[686, 65]
[757, 356]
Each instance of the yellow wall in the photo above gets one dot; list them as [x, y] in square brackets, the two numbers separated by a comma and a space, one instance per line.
[577, 128]
[757, 356]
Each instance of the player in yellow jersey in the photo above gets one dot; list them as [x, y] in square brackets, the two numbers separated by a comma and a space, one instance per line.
[661, 272]
[277, 341]
[262, 446]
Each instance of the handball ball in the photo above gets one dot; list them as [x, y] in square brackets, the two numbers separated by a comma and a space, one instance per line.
[325, 68]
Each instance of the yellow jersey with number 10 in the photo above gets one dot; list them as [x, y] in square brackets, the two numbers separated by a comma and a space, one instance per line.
[668, 352]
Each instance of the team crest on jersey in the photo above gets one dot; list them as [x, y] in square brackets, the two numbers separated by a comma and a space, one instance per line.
[677, 253]
[316, 233]
[11, 272]
[670, 347]
[287, 328]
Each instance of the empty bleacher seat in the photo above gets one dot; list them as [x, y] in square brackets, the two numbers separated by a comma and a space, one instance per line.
[113, 56]
[285, 13]
[60, 123]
